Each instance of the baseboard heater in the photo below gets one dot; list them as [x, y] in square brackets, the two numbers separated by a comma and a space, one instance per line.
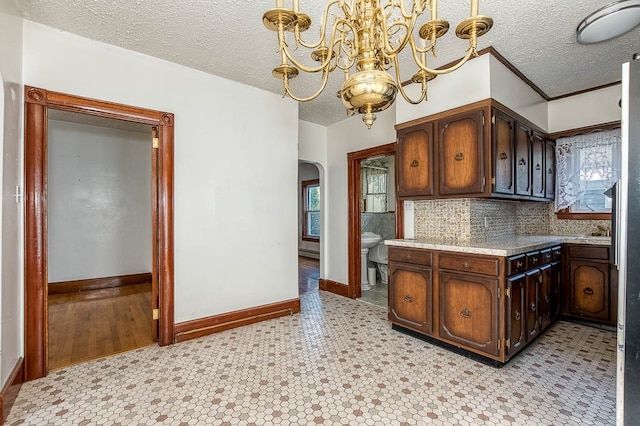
[309, 253]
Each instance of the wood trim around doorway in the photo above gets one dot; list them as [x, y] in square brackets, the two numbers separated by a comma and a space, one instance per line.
[37, 102]
[355, 225]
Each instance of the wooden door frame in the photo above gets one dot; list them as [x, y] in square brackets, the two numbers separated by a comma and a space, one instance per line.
[353, 195]
[36, 103]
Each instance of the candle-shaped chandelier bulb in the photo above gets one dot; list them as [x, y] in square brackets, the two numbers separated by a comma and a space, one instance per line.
[367, 36]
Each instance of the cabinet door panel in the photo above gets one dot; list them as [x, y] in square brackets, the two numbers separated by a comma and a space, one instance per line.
[515, 317]
[523, 155]
[503, 146]
[550, 169]
[410, 302]
[544, 301]
[461, 154]
[556, 278]
[415, 161]
[537, 166]
[469, 311]
[589, 289]
[533, 287]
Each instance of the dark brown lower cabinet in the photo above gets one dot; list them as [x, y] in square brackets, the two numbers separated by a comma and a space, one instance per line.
[469, 311]
[410, 303]
[515, 314]
[533, 289]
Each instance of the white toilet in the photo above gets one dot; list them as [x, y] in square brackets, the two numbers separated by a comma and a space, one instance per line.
[379, 255]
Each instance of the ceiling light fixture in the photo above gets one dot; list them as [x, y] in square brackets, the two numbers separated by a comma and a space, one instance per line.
[369, 36]
[609, 22]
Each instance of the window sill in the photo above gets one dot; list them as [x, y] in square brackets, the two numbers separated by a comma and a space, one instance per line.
[566, 214]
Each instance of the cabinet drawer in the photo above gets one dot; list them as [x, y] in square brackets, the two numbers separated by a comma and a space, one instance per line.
[546, 256]
[417, 256]
[589, 251]
[556, 253]
[516, 264]
[477, 265]
[534, 259]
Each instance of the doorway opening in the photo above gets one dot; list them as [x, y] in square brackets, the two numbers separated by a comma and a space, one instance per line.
[381, 157]
[309, 227]
[99, 237]
[39, 103]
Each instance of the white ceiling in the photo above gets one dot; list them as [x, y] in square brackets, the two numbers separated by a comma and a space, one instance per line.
[227, 38]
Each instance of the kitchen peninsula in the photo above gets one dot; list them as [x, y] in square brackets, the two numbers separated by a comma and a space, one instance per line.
[490, 299]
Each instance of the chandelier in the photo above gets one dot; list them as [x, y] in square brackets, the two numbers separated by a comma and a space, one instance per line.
[368, 34]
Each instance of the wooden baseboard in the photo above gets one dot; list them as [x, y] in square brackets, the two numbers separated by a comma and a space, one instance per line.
[97, 283]
[10, 389]
[334, 287]
[204, 326]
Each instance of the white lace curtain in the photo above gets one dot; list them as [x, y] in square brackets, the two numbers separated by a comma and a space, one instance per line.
[583, 158]
[374, 188]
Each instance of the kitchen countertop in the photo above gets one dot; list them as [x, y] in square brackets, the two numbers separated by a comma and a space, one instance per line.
[509, 246]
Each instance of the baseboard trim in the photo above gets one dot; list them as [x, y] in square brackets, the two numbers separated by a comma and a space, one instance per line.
[204, 326]
[334, 287]
[10, 389]
[98, 283]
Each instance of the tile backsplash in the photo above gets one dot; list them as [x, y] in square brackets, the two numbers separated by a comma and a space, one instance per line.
[383, 224]
[477, 219]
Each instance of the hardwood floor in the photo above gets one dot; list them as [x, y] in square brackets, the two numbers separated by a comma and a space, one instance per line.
[92, 324]
[308, 274]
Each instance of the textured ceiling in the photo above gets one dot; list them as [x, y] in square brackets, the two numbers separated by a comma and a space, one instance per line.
[227, 38]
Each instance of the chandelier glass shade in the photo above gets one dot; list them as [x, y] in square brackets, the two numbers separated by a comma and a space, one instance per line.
[363, 38]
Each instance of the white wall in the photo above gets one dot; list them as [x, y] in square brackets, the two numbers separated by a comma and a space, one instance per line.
[235, 166]
[347, 136]
[586, 109]
[98, 201]
[306, 171]
[512, 92]
[468, 84]
[11, 284]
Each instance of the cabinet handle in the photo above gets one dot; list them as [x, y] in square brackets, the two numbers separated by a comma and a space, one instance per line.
[546, 299]
[503, 156]
[517, 316]
[465, 265]
[465, 313]
[550, 171]
[519, 264]
[459, 156]
[538, 167]
[522, 163]
[532, 306]
[588, 291]
[534, 260]
[408, 298]
[414, 163]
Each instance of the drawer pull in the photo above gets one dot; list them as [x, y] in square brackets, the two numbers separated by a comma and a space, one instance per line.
[588, 291]
[408, 298]
[538, 167]
[465, 313]
[414, 163]
[503, 156]
[517, 316]
[465, 265]
[522, 163]
[534, 260]
[532, 306]
[459, 156]
[519, 264]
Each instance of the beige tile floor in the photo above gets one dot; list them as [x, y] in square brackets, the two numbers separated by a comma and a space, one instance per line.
[338, 362]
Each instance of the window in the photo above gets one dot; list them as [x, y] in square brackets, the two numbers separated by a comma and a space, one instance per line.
[588, 165]
[374, 187]
[311, 210]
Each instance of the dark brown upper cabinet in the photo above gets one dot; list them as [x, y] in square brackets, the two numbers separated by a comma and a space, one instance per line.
[523, 156]
[461, 154]
[550, 169]
[503, 146]
[415, 161]
[537, 165]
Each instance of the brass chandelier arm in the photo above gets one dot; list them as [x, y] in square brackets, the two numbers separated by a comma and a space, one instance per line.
[471, 51]
[406, 97]
[287, 89]
[418, 8]
[323, 28]
[388, 50]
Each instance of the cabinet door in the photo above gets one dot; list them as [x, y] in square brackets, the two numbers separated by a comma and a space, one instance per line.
[533, 287]
[415, 161]
[589, 289]
[469, 311]
[544, 302]
[556, 278]
[515, 315]
[461, 154]
[410, 302]
[537, 166]
[523, 155]
[503, 147]
[550, 169]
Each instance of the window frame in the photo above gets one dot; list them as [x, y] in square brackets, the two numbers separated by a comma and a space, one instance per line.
[306, 184]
